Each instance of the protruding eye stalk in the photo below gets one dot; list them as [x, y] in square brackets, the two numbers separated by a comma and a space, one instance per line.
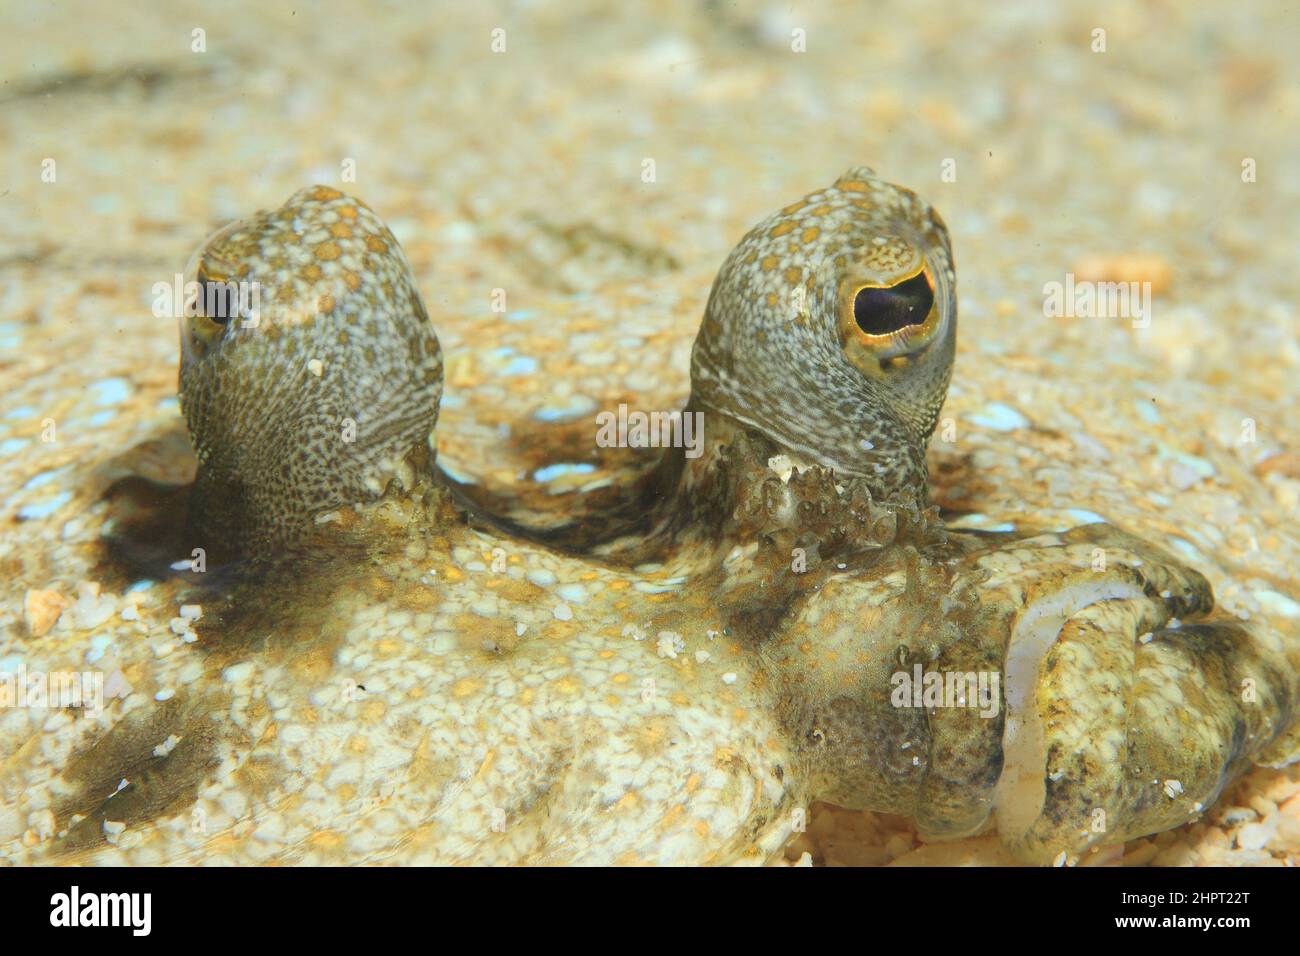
[880, 322]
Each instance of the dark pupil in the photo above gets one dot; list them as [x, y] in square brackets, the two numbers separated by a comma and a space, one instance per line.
[217, 304]
[881, 311]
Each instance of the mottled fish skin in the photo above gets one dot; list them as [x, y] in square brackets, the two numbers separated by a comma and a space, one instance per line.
[828, 343]
[343, 338]
[617, 732]
[779, 352]
[1141, 705]
[317, 400]
[790, 362]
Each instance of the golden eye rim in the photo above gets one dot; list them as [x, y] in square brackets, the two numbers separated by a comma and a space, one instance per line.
[200, 270]
[203, 279]
[908, 341]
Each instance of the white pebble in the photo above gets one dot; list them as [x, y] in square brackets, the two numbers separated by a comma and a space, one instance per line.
[541, 577]
[573, 592]
[1255, 836]
[238, 673]
[669, 644]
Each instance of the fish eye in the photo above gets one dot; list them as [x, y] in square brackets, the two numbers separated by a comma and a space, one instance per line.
[882, 311]
[214, 298]
[884, 324]
[211, 294]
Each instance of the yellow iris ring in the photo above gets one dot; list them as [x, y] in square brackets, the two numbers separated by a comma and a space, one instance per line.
[870, 352]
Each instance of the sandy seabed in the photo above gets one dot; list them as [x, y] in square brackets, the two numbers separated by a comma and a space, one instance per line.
[1170, 157]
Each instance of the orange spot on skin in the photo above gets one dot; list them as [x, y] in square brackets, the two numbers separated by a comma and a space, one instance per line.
[325, 303]
[853, 186]
[821, 210]
[376, 244]
[341, 230]
[793, 275]
[769, 263]
[466, 687]
[352, 280]
[794, 207]
[347, 212]
[567, 685]
[780, 229]
[327, 251]
[311, 272]
[810, 234]
[325, 194]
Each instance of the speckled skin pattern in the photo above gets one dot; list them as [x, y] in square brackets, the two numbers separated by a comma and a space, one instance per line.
[773, 352]
[427, 687]
[340, 367]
